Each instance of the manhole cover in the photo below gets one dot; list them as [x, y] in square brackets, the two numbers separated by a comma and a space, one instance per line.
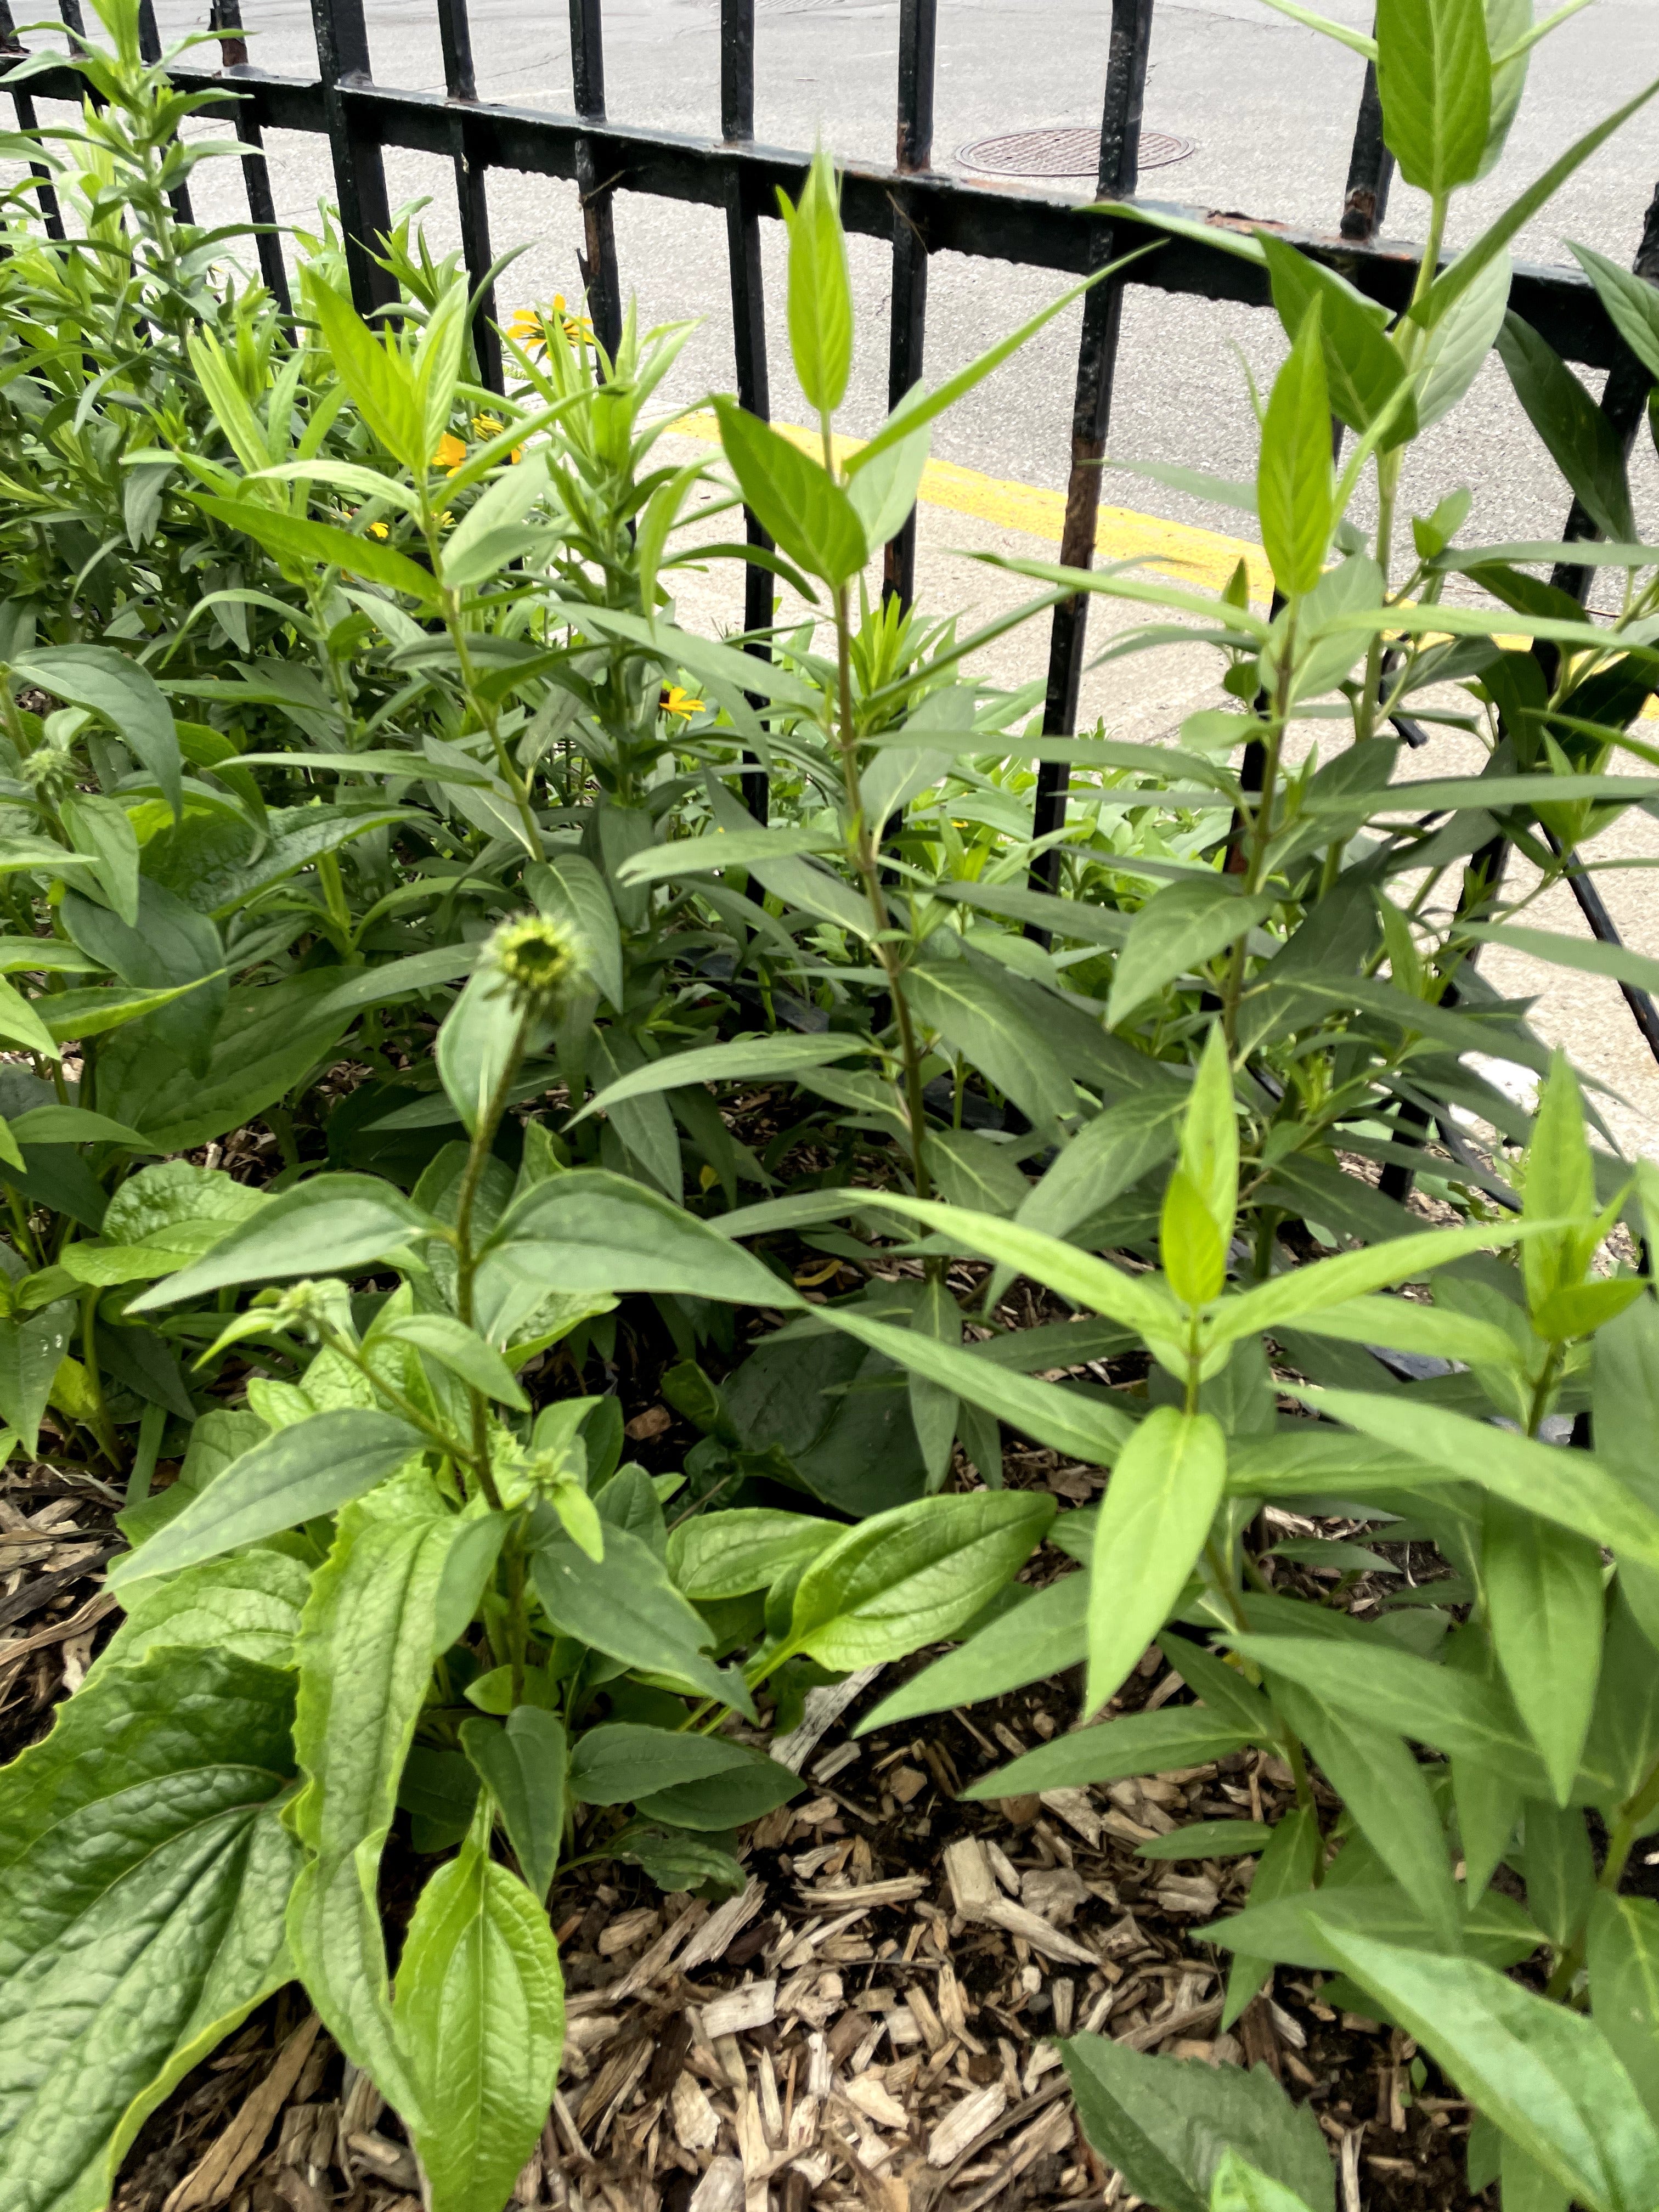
[1069, 152]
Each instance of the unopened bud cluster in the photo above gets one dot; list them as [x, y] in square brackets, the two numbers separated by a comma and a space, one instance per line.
[538, 961]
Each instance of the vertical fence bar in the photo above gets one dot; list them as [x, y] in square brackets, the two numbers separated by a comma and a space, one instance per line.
[12, 49]
[599, 265]
[748, 316]
[918, 43]
[359, 170]
[149, 46]
[1371, 169]
[226, 16]
[472, 199]
[1102, 314]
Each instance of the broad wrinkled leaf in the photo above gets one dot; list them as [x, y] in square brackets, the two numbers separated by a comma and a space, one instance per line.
[365, 1652]
[625, 1605]
[727, 1555]
[480, 2010]
[249, 1606]
[145, 1875]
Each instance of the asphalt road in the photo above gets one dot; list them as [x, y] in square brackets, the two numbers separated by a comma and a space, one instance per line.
[1267, 106]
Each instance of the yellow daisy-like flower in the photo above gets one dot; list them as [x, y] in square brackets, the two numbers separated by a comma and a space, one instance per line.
[486, 427]
[528, 327]
[451, 455]
[678, 703]
[378, 530]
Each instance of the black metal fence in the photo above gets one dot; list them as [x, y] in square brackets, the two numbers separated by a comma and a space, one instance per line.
[921, 211]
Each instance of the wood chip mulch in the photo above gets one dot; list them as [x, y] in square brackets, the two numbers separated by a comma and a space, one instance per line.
[868, 2024]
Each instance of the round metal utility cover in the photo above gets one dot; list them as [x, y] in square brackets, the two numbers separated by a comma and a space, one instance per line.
[1068, 151]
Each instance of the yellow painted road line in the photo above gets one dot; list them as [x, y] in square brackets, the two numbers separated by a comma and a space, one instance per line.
[1197, 557]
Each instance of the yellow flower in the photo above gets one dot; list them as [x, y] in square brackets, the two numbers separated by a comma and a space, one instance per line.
[678, 703]
[378, 530]
[528, 327]
[451, 455]
[489, 426]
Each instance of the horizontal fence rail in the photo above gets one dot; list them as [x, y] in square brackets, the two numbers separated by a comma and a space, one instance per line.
[919, 211]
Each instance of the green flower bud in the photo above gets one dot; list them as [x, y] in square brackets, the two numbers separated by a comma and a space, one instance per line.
[538, 961]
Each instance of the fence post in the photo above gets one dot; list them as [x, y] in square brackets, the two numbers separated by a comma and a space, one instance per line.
[918, 40]
[358, 171]
[472, 199]
[599, 265]
[12, 49]
[748, 325]
[1102, 314]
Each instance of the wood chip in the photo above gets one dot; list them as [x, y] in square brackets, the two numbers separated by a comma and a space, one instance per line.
[721, 2189]
[1055, 1891]
[754, 2005]
[214, 2180]
[1181, 2021]
[821, 1709]
[871, 2097]
[900, 1891]
[978, 1897]
[648, 1969]
[697, 2123]
[626, 1929]
[1078, 1809]
[966, 2119]
[718, 1932]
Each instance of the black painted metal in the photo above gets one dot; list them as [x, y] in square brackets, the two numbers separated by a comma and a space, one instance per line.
[354, 138]
[12, 49]
[597, 173]
[471, 193]
[226, 15]
[1370, 169]
[918, 43]
[1102, 313]
[743, 248]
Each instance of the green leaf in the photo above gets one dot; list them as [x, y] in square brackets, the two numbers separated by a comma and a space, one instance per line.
[119, 692]
[1139, 1743]
[306, 545]
[1044, 1634]
[330, 1226]
[622, 1760]
[593, 1230]
[1434, 74]
[1573, 1490]
[365, 1652]
[1168, 2124]
[524, 1766]
[1631, 303]
[1238, 2186]
[30, 1353]
[913, 1576]
[1623, 1957]
[885, 492]
[1209, 1839]
[379, 383]
[569, 889]
[1388, 1797]
[1625, 1389]
[967, 1006]
[1327, 1283]
[625, 1605]
[820, 292]
[163, 1219]
[1087, 1429]
[480, 2010]
[1543, 1605]
[145, 1873]
[1287, 1867]
[1293, 476]
[102, 828]
[744, 1060]
[1546, 2075]
[1299, 1930]
[312, 1468]
[1158, 1508]
[1362, 371]
[747, 1789]
[249, 1606]
[1559, 1872]
[1582, 443]
[748, 1548]
[807, 514]
[1179, 930]
[459, 1349]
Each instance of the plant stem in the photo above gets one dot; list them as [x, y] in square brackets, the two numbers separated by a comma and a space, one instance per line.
[483, 1137]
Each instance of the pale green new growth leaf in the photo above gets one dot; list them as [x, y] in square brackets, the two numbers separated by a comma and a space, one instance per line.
[1155, 1522]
